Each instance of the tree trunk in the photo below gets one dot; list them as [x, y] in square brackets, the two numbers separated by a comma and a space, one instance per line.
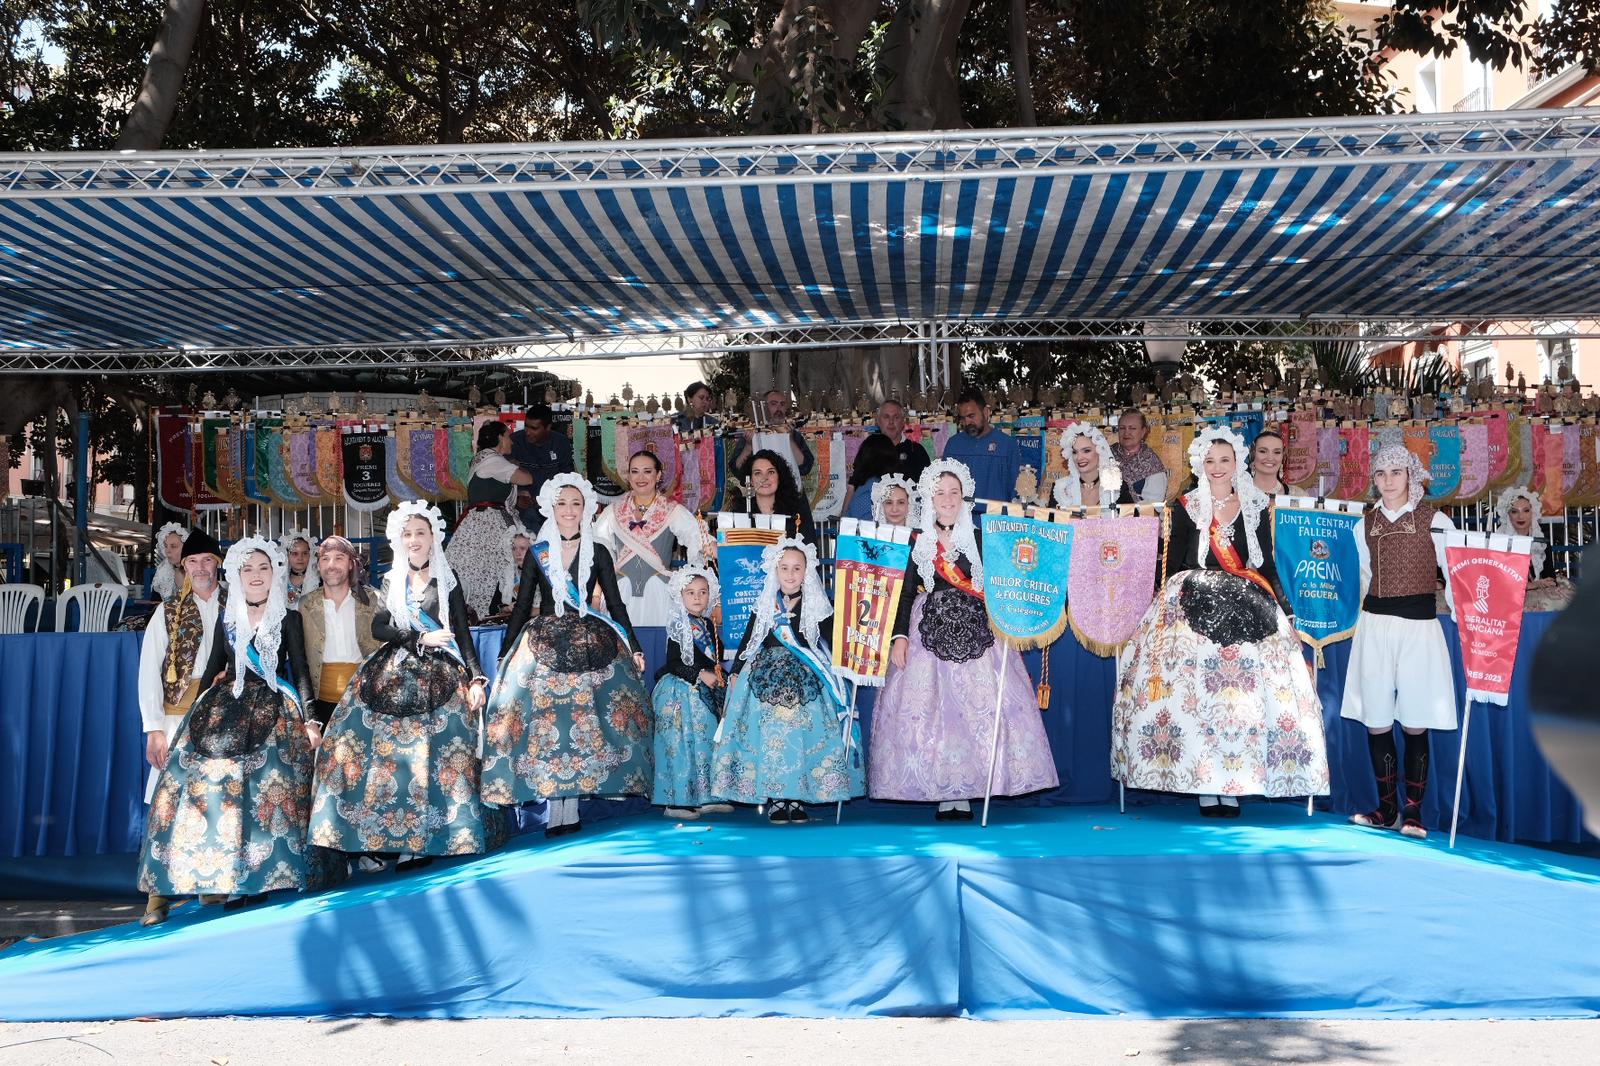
[921, 54]
[152, 111]
[1021, 76]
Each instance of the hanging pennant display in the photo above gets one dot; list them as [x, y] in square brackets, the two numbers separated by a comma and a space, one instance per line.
[364, 466]
[869, 572]
[449, 487]
[1488, 577]
[422, 444]
[400, 490]
[1022, 560]
[1319, 565]
[329, 461]
[1111, 579]
[1474, 460]
[1299, 452]
[283, 492]
[174, 454]
[740, 541]
[1444, 471]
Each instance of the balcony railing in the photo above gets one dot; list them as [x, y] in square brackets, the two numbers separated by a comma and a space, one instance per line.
[1473, 101]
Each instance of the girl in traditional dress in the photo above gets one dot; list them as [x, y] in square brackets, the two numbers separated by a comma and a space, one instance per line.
[1399, 665]
[169, 553]
[876, 459]
[514, 550]
[569, 715]
[299, 548]
[1517, 516]
[1215, 698]
[933, 724]
[476, 548]
[1093, 477]
[688, 698]
[786, 737]
[894, 501]
[774, 490]
[399, 767]
[1266, 464]
[642, 529]
[229, 812]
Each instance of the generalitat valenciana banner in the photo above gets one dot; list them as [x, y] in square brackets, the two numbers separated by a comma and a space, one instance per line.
[870, 563]
[1314, 544]
[1488, 576]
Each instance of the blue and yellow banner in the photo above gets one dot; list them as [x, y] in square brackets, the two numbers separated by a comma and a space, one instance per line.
[739, 548]
[1314, 546]
[869, 573]
[1025, 567]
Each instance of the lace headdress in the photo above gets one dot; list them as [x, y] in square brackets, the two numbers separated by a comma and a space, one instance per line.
[269, 634]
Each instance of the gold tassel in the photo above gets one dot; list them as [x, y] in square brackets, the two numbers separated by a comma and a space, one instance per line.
[1042, 690]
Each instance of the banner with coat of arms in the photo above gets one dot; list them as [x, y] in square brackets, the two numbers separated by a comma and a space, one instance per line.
[870, 563]
[741, 538]
[1488, 577]
[1111, 578]
[1319, 566]
[1024, 560]
[365, 466]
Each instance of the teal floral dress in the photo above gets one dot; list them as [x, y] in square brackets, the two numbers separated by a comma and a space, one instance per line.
[686, 717]
[569, 715]
[229, 812]
[399, 766]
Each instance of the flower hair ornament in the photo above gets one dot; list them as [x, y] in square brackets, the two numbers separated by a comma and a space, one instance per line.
[1391, 456]
[1200, 505]
[880, 493]
[814, 602]
[963, 538]
[165, 583]
[550, 535]
[399, 578]
[286, 543]
[508, 573]
[1069, 490]
[236, 615]
[678, 627]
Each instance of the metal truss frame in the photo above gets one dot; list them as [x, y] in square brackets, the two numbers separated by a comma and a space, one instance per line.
[1572, 133]
[788, 339]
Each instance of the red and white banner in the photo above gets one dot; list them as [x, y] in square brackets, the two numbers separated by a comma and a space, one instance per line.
[1488, 577]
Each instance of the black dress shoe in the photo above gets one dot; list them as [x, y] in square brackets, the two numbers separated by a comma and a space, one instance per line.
[1227, 810]
[797, 813]
[961, 814]
[942, 814]
[418, 862]
[778, 812]
[1211, 810]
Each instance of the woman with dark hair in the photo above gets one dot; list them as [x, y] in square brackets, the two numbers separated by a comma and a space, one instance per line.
[877, 458]
[1266, 464]
[643, 529]
[475, 547]
[774, 490]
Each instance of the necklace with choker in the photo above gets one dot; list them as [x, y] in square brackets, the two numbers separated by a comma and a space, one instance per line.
[568, 540]
[415, 569]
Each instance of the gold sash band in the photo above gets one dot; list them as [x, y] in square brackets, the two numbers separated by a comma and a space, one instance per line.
[181, 708]
[335, 679]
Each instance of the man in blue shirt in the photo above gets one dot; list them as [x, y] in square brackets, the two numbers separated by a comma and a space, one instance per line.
[542, 452]
[991, 454]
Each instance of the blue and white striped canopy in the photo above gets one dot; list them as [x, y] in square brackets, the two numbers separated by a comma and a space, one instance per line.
[1420, 218]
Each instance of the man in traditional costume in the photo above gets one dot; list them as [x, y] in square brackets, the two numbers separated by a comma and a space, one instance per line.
[337, 618]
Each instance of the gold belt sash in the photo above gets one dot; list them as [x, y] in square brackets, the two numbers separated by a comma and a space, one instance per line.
[335, 679]
[181, 708]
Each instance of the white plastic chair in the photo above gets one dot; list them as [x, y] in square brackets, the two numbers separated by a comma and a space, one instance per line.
[15, 603]
[95, 604]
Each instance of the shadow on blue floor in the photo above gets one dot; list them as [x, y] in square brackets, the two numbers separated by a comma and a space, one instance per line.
[1048, 911]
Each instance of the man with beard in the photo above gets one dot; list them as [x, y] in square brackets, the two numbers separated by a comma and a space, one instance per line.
[989, 453]
[337, 618]
[177, 643]
[298, 546]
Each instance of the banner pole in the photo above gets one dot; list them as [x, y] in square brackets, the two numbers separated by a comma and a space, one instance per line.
[849, 735]
[994, 739]
[1461, 764]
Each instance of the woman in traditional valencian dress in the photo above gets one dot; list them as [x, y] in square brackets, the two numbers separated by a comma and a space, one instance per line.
[299, 549]
[169, 568]
[894, 501]
[399, 766]
[476, 546]
[1093, 477]
[569, 716]
[642, 529]
[1517, 516]
[688, 698]
[1215, 697]
[1399, 666]
[786, 738]
[933, 723]
[229, 812]
[513, 551]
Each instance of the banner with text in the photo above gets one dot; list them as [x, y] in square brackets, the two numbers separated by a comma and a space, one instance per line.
[1488, 577]
[1314, 547]
[740, 540]
[1025, 565]
[869, 572]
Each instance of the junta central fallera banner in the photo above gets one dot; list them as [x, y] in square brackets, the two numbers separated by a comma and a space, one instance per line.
[1314, 545]
[1025, 567]
[869, 574]
[1488, 577]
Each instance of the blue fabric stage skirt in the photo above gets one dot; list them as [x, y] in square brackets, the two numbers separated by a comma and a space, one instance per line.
[230, 808]
[569, 716]
[782, 738]
[686, 721]
[403, 782]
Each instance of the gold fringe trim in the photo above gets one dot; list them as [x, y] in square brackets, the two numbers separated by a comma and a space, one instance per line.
[1092, 646]
[1029, 643]
[1316, 644]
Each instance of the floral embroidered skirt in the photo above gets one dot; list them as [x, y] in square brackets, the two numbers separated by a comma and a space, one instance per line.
[1215, 696]
[477, 555]
[686, 722]
[229, 811]
[782, 737]
[398, 768]
[933, 723]
[569, 716]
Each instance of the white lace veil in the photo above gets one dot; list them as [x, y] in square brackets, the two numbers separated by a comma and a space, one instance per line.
[963, 538]
[1069, 490]
[880, 492]
[1502, 520]
[678, 627]
[166, 580]
[814, 602]
[550, 536]
[400, 612]
[312, 579]
[509, 572]
[1199, 504]
[269, 635]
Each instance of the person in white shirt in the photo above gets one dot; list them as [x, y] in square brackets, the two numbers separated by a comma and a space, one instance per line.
[337, 618]
[172, 660]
